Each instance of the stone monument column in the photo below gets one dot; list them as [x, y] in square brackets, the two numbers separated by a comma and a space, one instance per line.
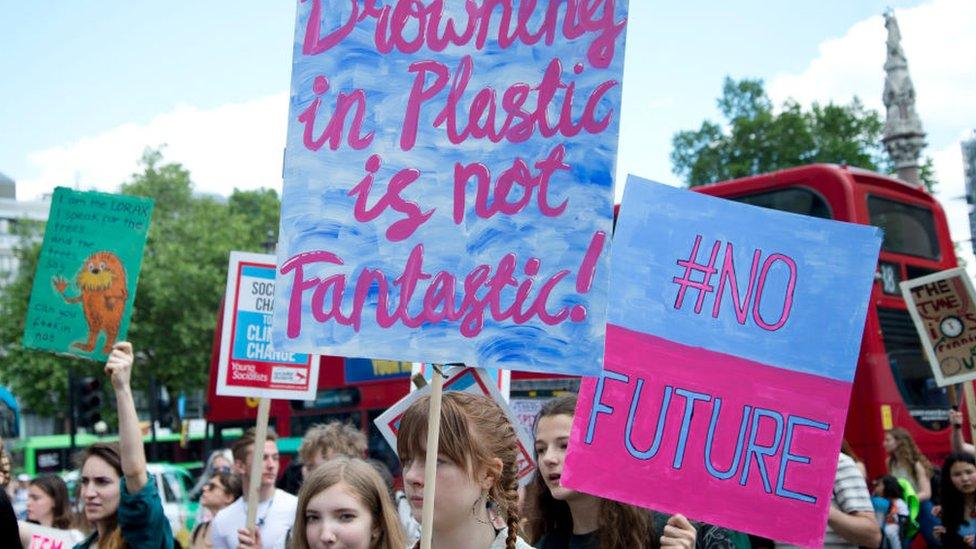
[904, 137]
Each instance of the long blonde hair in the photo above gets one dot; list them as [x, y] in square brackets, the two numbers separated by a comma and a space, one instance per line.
[368, 487]
[474, 431]
[907, 453]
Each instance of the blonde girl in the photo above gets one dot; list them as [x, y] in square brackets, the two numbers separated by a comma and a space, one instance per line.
[345, 503]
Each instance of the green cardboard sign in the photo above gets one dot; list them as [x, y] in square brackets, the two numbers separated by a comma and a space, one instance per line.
[86, 276]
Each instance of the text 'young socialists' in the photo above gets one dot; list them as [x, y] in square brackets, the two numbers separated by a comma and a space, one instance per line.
[467, 146]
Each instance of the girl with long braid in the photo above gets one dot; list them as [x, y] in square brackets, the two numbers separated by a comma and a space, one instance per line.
[477, 487]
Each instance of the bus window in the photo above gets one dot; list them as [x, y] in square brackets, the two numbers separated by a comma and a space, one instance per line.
[926, 401]
[908, 229]
[794, 200]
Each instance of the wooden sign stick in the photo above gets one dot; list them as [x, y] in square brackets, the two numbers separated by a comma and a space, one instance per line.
[967, 389]
[257, 461]
[430, 463]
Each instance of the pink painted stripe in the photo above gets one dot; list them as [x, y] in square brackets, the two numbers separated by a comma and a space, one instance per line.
[606, 468]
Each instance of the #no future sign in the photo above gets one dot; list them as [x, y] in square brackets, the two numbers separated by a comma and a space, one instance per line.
[732, 340]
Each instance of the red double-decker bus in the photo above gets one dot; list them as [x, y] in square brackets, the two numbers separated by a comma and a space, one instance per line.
[893, 385]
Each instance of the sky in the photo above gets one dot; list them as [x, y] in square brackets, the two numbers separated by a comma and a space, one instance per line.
[87, 86]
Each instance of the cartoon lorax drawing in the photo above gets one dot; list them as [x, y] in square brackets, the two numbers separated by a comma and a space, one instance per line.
[103, 295]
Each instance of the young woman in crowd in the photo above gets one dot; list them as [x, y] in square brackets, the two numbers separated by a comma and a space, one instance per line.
[219, 461]
[477, 487]
[219, 492]
[345, 503]
[119, 498]
[47, 502]
[559, 518]
[906, 461]
[958, 501]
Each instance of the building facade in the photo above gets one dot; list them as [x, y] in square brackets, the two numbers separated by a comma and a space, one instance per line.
[12, 213]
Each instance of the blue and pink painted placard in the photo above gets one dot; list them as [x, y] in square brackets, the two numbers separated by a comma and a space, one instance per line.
[448, 181]
[732, 339]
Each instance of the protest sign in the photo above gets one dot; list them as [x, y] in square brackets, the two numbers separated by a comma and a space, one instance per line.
[471, 380]
[732, 340]
[249, 364]
[447, 182]
[502, 379]
[86, 276]
[943, 307]
[35, 536]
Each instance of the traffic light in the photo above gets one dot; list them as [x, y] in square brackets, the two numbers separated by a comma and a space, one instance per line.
[89, 402]
[164, 408]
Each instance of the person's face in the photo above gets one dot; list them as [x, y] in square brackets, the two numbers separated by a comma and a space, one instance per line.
[215, 495]
[456, 492]
[336, 519]
[220, 464]
[99, 489]
[963, 477]
[269, 471]
[316, 460]
[889, 443]
[40, 506]
[551, 441]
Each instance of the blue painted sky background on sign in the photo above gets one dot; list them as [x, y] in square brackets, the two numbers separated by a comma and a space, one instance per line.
[317, 212]
[835, 268]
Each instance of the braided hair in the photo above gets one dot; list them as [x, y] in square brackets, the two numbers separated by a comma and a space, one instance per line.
[474, 430]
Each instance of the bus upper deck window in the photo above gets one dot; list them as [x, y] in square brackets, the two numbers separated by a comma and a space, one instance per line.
[793, 199]
[908, 229]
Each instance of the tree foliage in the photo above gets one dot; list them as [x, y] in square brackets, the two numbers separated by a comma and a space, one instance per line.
[756, 138]
[40, 380]
[178, 296]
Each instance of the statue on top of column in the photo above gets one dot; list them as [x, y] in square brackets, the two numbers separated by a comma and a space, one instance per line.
[904, 137]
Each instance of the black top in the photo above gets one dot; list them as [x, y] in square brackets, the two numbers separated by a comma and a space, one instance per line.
[9, 532]
[557, 540]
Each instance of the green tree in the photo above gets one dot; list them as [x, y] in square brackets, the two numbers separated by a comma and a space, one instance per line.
[40, 380]
[755, 138]
[182, 281]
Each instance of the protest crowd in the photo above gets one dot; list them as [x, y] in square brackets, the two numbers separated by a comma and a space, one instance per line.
[344, 499]
[448, 203]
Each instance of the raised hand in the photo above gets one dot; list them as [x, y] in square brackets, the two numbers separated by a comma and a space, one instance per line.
[119, 365]
[678, 533]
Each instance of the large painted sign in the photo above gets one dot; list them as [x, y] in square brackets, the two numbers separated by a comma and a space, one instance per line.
[732, 341]
[249, 365]
[86, 276]
[448, 182]
[943, 307]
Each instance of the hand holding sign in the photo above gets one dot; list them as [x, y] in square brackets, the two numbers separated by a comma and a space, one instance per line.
[119, 365]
